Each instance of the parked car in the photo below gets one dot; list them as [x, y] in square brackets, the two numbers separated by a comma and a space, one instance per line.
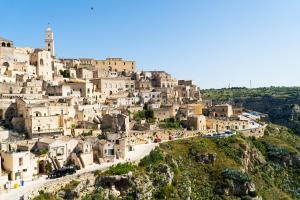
[68, 170]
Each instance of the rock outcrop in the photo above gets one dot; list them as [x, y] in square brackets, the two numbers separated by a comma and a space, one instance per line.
[236, 183]
[144, 187]
[206, 158]
[119, 184]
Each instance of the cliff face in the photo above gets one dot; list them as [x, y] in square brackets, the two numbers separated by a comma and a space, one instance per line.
[284, 111]
[202, 168]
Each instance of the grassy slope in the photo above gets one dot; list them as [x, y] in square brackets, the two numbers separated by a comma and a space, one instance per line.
[272, 180]
[226, 94]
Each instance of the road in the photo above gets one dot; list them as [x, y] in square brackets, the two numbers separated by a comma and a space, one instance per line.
[139, 152]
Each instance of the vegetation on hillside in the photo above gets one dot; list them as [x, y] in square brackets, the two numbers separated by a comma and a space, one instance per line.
[120, 168]
[146, 114]
[220, 168]
[203, 168]
[280, 103]
[170, 123]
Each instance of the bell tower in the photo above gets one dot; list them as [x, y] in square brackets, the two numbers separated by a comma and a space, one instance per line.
[49, 40]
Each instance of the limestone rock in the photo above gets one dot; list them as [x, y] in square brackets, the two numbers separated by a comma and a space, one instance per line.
[144, 187]
[121, 183]
[166, 173]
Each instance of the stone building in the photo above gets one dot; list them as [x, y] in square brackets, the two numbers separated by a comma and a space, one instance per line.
[85, 151]
[222, 110]
[115, 123]
[187, 91]
[43, 61]
[87, 63]
[20, 165]
[84, 87]
[196, 122]
[83, 73]
[116, 64]
[49, 41]
[111, 86]
[162, 79]
[165, 112]
[224, 124]
[6, 52]
[146, 96]
[70, 63]
[42, 116]
[58, 149]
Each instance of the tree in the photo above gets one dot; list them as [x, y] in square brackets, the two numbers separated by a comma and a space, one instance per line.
[48, 167]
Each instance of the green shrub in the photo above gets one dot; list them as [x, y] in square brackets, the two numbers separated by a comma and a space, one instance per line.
[167, 192]
[170, 123]
[147, 114]
[45, 196]
[42, 151]
[90, 133]
[120, 168]
[154, 157]
[48, 167]
[235, 175]
[65, 73]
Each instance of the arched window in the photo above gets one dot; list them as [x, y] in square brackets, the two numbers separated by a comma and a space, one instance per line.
[3, 44]
[37, 114]
[5, 64]
[8, 45]
[41, 62]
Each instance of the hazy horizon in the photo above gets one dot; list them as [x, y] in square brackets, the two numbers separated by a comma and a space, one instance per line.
[214, 43]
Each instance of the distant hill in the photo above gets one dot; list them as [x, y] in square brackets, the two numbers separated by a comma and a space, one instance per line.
[280, 103]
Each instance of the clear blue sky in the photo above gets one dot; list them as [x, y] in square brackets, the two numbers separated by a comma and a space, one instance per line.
[213, 42]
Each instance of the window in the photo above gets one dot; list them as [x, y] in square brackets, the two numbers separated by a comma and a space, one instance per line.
[60, 152]
[110, 152]
[20, 161]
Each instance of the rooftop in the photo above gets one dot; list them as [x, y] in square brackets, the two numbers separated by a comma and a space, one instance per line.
[3, 39]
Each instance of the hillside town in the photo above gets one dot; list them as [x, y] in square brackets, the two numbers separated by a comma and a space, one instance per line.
[64, 113]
